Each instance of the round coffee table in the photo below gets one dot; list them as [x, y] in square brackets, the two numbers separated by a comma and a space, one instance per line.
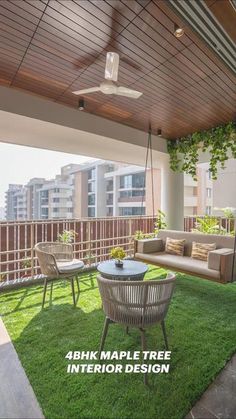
[131, 270]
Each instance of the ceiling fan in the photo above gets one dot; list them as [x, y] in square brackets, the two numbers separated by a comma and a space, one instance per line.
[109, 86]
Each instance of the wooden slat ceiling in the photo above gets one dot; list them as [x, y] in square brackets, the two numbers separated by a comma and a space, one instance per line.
[51, 48]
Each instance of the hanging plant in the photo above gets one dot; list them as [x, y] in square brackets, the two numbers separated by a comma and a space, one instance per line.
[219, 142]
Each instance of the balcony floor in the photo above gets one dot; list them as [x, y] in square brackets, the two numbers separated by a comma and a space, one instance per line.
[200, 327]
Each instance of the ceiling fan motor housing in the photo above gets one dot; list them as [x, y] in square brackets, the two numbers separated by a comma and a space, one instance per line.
[108, 87]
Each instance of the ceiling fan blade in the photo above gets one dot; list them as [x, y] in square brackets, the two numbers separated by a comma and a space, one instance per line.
[130, 63]
[125, 91]
[85, 91]
[112, 66]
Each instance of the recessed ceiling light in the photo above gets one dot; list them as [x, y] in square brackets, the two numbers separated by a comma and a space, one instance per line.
[81, 104]
[178, 31]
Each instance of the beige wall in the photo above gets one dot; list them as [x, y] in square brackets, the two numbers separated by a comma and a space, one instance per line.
[201, 191]
[224, 188]
[81, 195]
[157, 191]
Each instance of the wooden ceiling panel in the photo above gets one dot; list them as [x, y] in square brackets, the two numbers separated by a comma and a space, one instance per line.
[29, 5]
[11, 13]
[22, 13]
[52, 47]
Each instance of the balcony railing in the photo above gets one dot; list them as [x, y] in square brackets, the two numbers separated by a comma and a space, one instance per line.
[226, 225]
[93, 241]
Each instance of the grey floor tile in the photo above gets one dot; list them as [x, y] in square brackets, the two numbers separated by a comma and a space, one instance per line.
[219, 400]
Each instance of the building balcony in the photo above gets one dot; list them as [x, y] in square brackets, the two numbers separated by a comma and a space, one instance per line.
[109, 188]
[131, 199]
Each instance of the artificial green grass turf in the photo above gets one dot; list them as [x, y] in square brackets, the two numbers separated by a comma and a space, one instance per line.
[201, 327]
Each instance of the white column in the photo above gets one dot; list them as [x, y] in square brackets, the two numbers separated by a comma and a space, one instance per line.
[116, 185]
[172, 196]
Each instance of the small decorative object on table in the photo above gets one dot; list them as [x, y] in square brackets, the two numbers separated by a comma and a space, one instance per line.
[118, 254]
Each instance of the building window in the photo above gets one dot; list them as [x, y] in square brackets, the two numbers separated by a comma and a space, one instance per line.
[55, 209]
[91, 187]
[56, 190]
[110, 168]
[131, 193]
[91, 174]
[110, 199]
[208, 210]
[44, 194]
[138, 180]
[126, 211]
[56, 200]
[109, 212]
[208, 192]
[44, 201]
[132, 181]
[126, 181]
[209, 174]
[91, 212]
[44, 212]
[109, 186]
[91, 199]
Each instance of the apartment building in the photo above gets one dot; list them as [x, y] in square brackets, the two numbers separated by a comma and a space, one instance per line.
[13, 200]
[56, 197]
[106, 189]
[33, 201]
[2, 213]
[55, 200]
[198, 195]
[224, 190]
[41, 198]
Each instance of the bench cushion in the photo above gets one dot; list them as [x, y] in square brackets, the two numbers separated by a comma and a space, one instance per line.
[181, 263]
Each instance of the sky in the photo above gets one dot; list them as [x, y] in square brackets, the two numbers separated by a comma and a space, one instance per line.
[18, 164]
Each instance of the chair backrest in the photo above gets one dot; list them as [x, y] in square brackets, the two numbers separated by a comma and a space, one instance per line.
[137, 303]
[48, 253]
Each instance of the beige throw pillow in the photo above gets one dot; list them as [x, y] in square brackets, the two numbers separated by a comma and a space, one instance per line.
[200, 250]
[174, 247]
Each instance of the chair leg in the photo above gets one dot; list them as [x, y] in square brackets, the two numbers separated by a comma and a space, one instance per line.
[44, 291]
[91, 280]
[51, 293]
[164, 334]
[77, 282]
[104, 334]
[73, 291]
[144, 348]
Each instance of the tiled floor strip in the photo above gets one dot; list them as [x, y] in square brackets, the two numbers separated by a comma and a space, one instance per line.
[219, 400]
[17, 399]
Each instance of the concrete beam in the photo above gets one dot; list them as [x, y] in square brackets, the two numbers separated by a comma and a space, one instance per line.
[20, 103]
[22, 130]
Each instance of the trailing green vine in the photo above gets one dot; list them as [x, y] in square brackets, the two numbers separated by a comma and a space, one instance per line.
[219, 142]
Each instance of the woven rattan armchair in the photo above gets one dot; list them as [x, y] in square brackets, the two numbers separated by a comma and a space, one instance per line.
[56, 262]
[139, 304]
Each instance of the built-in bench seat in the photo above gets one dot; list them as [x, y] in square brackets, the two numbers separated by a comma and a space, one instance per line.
[218, 267]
